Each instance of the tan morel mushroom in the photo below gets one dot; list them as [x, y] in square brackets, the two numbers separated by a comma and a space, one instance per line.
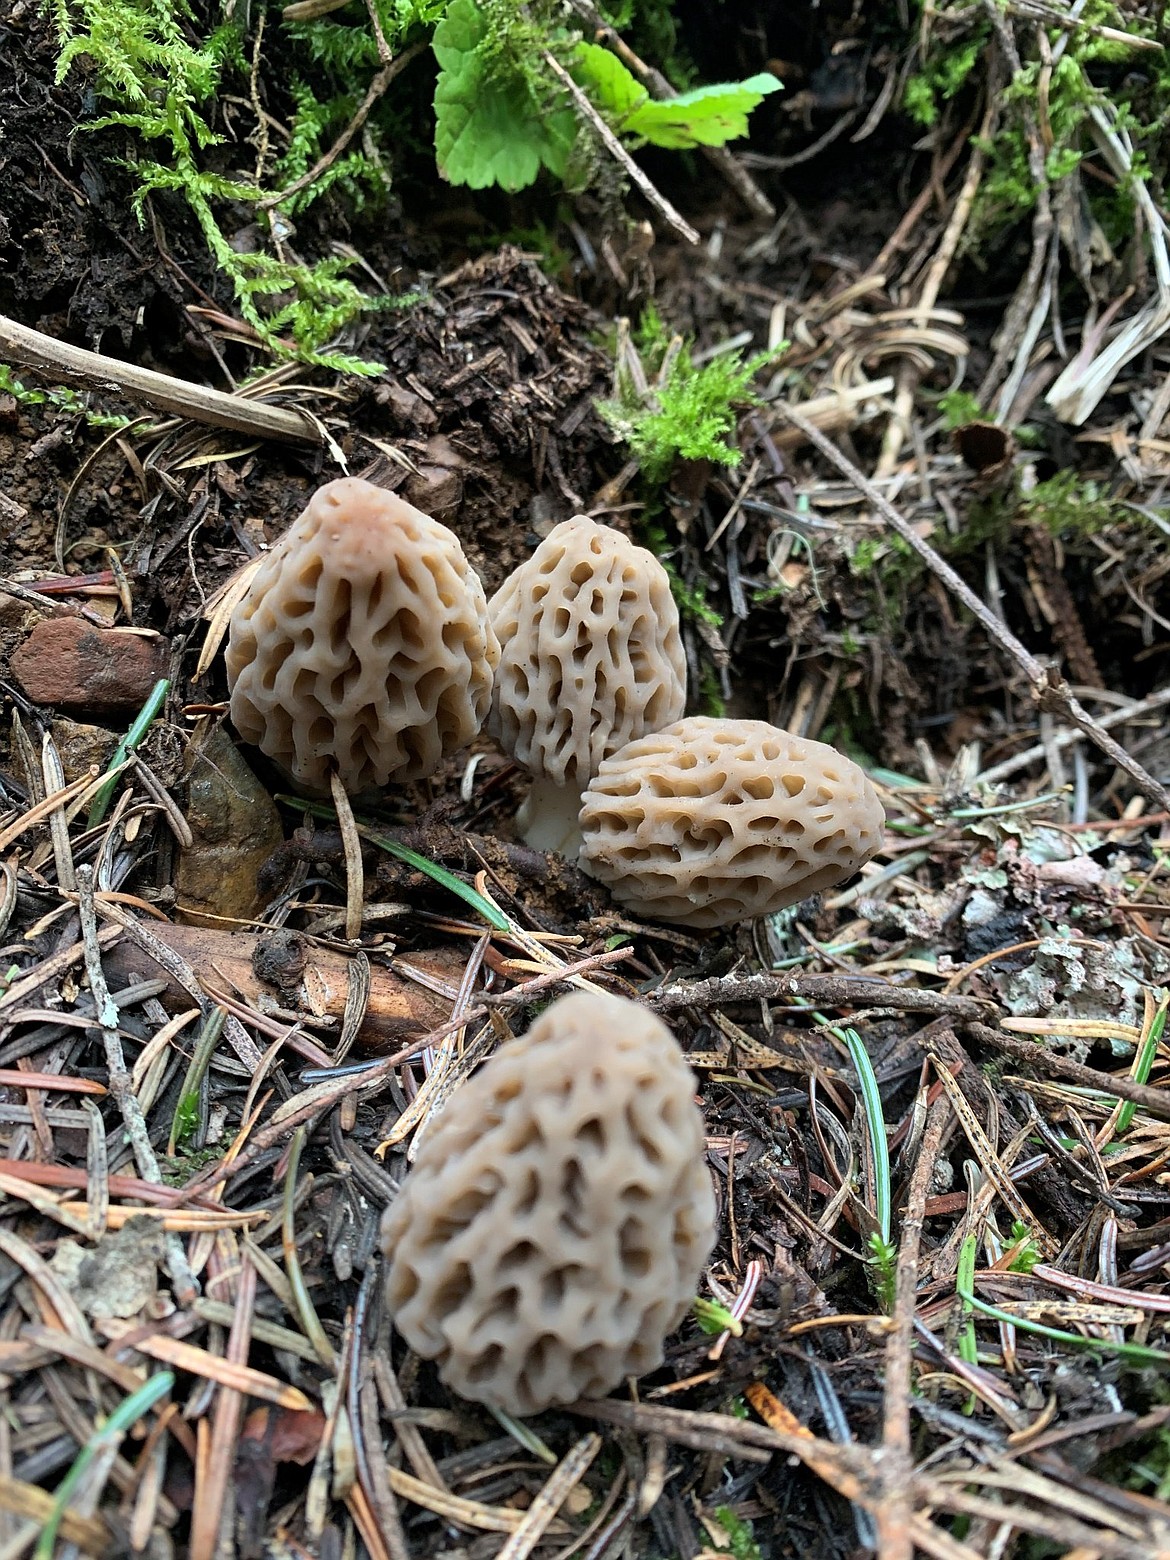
[590, 657]
[555, 1224]
[715, 821]
[363, 644]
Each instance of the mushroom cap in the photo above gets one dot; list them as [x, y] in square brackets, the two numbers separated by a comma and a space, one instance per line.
[715, 821]
[555, 1224]
[590, 652]
[362, 644]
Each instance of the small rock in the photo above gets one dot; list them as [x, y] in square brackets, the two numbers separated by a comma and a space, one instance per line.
[94, 671]
[236, 827]
[405, 408]
[81, 747]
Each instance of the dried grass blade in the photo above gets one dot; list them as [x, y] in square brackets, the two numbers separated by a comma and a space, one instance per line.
[214, 1470]
[355, 883]
[25, 1500]
[48, 1205]
[239, 1378]
[551, 1497]
[490, 1519]
[989, 1160]
[44, 809]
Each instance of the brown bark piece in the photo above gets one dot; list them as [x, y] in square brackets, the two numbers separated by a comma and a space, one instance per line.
[399, 1008]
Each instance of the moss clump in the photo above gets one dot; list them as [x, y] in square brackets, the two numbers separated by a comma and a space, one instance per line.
[693, 413]
[1068, 505]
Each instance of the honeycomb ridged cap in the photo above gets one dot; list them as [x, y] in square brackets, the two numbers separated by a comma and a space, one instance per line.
[709, 822]
[555, 1224]
[591, 653]
[362, 645]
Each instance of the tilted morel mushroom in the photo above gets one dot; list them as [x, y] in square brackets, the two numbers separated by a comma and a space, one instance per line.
[363, 644]
[559, 1213]
[715, 821]
[590, 657]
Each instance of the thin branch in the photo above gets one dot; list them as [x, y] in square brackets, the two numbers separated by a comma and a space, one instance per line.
[1155, 1102]
[827, 991]
[1048, 688]
[374, 91]
[617, 151]
[720, 157]
[162, 392]
[121, 1086]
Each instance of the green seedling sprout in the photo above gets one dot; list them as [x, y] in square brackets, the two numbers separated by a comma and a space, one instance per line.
[186, 1117]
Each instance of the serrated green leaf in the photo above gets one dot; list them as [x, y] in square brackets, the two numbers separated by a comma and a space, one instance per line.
[613, 89]
[489, 127]
[708, 116]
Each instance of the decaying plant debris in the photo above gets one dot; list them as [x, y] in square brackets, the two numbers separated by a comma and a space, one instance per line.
[936, 533]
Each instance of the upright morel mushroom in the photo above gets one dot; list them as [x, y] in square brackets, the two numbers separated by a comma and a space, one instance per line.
[559, 1213]
[715, 821]
[362, 645]
[590, 657]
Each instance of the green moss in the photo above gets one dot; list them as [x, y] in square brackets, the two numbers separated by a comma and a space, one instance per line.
[60, 396]
[740, 1540]
[693, 414]
[943, 75]
[1071, 87]
[959, 408]
[158, 73]
[1067, 505]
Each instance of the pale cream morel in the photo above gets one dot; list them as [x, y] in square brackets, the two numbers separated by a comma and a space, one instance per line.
[709, 822]
[559, 1213]
[363, 644]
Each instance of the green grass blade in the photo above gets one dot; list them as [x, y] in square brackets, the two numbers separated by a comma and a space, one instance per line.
[115, 1427]
[964, 1286]
[143, 721]
[1144, 1063]
[876, 1124]
[448, 880]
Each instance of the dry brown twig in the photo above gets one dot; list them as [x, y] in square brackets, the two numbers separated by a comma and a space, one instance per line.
[1048, 689]
[618, 152]
[178, 397]
[894, 1513]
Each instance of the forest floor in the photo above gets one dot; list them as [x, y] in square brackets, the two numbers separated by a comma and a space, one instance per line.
[943, 547]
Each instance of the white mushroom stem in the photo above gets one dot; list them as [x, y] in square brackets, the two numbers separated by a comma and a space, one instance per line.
[547, 818]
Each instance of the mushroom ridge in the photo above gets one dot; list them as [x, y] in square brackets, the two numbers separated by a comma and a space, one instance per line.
[558, 1215]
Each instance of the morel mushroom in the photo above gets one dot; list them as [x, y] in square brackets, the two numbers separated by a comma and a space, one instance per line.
[362, 645]
[559, 1213]
[590, 657]
[715, 821]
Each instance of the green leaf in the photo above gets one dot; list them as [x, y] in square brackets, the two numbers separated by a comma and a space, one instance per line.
[490, 127]
[614, 90]
[708, 116]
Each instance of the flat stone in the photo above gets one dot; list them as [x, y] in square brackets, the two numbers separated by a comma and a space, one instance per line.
[235, 827]
[69, 663]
